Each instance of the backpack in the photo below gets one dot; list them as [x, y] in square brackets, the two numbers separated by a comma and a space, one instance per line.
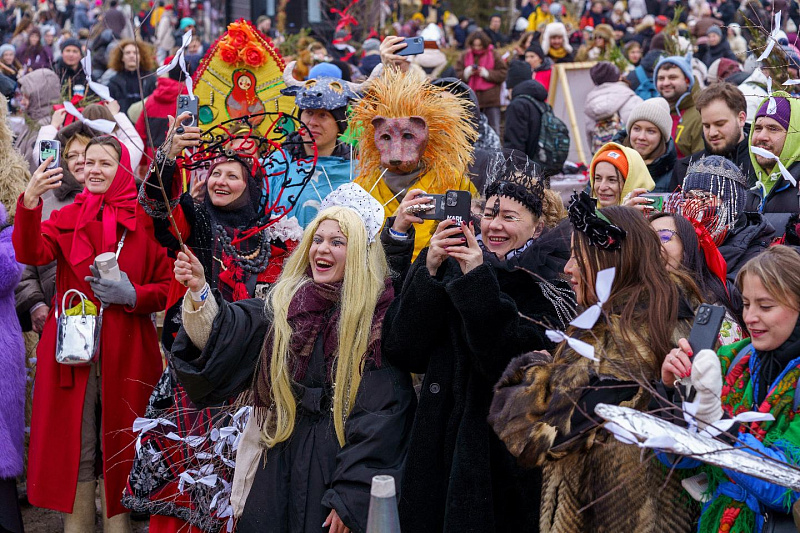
[646, 88]
[553, 139]
[604, 131]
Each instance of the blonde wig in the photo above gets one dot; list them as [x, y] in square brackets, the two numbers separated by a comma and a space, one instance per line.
[364, 281]
[450, 134]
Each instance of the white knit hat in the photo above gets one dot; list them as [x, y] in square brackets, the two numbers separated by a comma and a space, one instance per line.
[655, 110]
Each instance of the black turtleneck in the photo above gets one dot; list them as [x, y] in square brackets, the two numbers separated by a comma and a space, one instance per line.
[773, 362]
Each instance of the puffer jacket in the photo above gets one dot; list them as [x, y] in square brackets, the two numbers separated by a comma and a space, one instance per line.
[606, 99]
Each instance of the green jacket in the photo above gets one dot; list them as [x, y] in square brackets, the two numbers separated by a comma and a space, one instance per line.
[689, 128]
[791, 148]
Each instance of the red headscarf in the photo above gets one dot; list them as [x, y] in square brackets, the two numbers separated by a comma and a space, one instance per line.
[119, 207]
[716, 263]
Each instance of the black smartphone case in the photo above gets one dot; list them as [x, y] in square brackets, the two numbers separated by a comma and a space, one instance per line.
[705, 330]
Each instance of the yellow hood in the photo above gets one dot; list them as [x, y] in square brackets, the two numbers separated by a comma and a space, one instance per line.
[638, 176]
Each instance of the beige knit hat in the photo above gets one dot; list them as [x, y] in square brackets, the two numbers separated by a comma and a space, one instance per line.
[655, 110]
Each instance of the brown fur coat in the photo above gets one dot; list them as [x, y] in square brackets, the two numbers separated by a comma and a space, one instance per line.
[591, 482]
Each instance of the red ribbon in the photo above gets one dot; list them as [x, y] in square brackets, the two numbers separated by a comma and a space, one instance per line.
[716, 263]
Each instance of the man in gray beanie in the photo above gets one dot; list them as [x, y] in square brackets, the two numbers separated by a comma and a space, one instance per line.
[675, 82]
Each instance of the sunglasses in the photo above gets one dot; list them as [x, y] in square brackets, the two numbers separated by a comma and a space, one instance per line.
[666, 235]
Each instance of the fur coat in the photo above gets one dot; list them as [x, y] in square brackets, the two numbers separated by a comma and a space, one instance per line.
[590, 481]
[12, 361]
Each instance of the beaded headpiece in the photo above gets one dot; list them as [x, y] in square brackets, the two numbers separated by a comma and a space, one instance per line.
[720, 177]
[587, 219]
[518, 179]
[353, 196]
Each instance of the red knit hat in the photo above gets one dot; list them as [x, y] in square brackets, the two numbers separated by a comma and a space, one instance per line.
[616, 157]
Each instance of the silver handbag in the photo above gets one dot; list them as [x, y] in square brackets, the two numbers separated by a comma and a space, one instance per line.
[78, 336]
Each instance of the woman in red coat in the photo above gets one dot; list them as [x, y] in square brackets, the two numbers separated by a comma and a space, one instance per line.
[62, 473]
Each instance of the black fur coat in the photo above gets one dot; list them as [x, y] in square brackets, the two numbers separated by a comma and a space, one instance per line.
[461, 331]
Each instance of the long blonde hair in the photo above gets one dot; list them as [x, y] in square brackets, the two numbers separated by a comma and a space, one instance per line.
[364, 277]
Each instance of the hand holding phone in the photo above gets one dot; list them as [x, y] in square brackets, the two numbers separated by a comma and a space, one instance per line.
[50, 149]
[189, 105]
[414, 46]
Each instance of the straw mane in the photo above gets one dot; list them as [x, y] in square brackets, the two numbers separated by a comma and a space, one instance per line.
[451, 135]
[14, 171]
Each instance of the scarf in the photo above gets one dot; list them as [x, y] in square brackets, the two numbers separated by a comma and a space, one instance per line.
[117, 205]
[557, 53]
[772, 363]
[314, 310]
[716, 263]
[486, 60]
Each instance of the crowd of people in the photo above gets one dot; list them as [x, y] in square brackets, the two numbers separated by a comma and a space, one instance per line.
[234, 324]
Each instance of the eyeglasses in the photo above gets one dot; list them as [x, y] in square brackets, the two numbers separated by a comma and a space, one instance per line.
[666, 235]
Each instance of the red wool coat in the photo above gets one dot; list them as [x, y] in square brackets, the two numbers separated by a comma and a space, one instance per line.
[130, 357]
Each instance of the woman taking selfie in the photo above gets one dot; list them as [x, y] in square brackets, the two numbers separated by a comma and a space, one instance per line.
[330, 411]
[756, 374]
[81, 411]
[591, 482]
[466, 309]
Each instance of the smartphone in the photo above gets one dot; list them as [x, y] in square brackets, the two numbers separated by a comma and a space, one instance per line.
[47, 149]
[454, 205]
[414, 46]
[187, 103]
[707, 323]
[658, 200]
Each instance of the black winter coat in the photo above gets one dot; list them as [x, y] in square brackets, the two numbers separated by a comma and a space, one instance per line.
[750, 236]
[740, 155]
[783, 198]
[461, 331]
[305, 477]
[662, 170]
[124, 87]
[70, 77]
[523, 119]
[723, 49]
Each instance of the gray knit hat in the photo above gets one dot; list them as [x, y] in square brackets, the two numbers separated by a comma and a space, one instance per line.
[655, 110]
[6, 48]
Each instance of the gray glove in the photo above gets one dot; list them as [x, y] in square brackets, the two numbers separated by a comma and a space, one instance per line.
[109, 292]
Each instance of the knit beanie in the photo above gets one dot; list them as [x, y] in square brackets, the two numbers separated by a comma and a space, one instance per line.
[371, 45]
[655, 110]
[604, 72]
[536, 48]
[7, 48]
[72, 41]
[615, 157]
[714, 29]
[518, 71]
[782, 114]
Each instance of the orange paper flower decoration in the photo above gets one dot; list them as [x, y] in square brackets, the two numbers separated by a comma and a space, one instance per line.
[240, 45]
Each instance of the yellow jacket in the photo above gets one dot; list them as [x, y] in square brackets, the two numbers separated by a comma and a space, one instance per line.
[424, 231]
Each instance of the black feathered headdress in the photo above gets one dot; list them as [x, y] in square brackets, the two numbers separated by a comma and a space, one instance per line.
[587, 219]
